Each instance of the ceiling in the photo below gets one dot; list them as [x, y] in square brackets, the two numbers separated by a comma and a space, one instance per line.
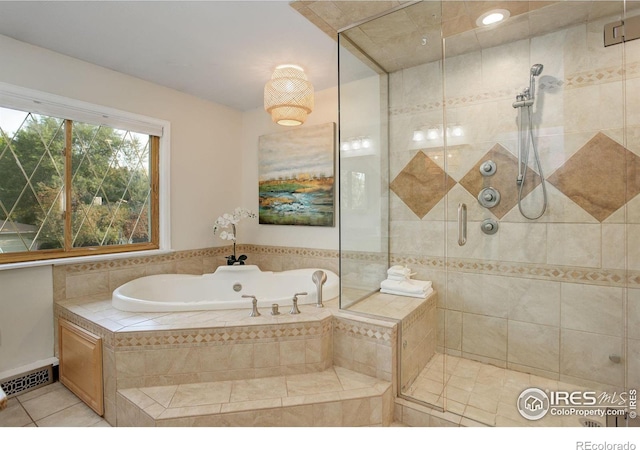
[412, 35]
[222, 51]
[225, 51]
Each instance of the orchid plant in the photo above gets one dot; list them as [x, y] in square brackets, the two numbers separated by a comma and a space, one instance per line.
[226, 221]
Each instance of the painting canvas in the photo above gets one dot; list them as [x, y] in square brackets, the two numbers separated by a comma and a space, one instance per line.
[296, 176]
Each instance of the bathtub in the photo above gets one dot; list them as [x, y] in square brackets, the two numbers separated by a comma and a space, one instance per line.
[222, 289]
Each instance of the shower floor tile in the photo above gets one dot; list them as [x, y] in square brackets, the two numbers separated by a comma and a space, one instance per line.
[485, 393]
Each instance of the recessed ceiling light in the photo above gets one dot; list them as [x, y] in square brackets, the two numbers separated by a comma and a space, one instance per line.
[492, 17]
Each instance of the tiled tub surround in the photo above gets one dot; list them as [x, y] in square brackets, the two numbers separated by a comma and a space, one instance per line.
[98, 279]
[547, 297]
[146, 356]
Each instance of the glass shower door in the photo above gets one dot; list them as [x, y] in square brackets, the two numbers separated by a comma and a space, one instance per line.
[392, 192]
[363, 166]
[536, 295]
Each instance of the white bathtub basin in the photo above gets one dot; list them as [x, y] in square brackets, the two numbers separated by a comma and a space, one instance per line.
[222, 289]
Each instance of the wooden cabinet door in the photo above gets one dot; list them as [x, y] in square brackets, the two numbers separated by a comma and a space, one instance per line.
[80, 354]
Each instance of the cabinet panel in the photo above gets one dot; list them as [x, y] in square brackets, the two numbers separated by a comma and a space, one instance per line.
[80, 355]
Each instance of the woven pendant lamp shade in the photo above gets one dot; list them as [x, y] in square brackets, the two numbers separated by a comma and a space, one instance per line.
[288, 96]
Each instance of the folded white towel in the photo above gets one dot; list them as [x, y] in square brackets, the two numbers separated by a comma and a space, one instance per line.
[408, 286]
[399, 271]
[408, 294]
[3, 399]
[398, 277]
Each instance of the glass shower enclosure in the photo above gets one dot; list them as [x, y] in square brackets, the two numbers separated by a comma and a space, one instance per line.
[500, 162]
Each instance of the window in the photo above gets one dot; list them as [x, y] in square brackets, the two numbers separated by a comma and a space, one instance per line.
[72, 187]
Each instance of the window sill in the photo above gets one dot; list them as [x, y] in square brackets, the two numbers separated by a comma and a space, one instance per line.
[82, 259]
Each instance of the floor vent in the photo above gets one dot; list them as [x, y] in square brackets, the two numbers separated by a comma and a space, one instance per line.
[590, 423]
[27, 381]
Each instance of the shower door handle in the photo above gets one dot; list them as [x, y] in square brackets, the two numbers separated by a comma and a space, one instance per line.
[462, 224]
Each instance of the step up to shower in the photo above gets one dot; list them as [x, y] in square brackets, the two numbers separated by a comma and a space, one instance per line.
[333, 397]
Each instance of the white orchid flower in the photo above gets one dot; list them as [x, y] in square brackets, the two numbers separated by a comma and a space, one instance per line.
[226, 235]
[226, 220]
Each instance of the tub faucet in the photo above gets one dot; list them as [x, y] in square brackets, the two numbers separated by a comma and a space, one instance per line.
[294, 307]
[319, 277]
[254, 304]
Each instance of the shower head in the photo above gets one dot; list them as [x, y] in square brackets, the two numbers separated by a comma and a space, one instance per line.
[536, 70]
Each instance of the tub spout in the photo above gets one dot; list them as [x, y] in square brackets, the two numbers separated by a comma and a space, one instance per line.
[319, 277]
[254, 304]
[294, 307]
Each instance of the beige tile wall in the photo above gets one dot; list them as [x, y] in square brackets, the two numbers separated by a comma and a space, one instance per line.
[218, 361]
[370, 350]
[419, 341]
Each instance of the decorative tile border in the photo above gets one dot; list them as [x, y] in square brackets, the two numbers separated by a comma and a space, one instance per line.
[354, 328]
[289, 251]
[603, 75]
[577, 80]
[373, 257]
[415, 109]
[220, 336]
[124, 262]
[567, 274]
[416, 260]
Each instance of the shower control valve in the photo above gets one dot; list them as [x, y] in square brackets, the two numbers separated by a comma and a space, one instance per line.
[488, 168]
[489, 226]
[489, 197]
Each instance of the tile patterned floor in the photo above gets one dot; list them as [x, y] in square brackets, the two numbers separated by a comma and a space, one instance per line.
[49, 406]
[55, 406]
[474, 390]
[484, 393]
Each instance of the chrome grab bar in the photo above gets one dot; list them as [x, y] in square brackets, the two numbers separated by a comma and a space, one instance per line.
[462, 224]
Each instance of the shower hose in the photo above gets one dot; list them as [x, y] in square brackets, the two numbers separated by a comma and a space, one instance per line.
[529, 142]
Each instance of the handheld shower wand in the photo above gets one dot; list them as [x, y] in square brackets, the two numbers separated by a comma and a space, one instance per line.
[526, 100]
[536, 70]
[526, 97]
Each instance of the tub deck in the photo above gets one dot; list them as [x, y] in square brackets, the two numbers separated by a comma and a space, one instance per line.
[101, 312]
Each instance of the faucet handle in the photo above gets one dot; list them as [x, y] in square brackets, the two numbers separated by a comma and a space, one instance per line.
[294, 307]
[254, 304]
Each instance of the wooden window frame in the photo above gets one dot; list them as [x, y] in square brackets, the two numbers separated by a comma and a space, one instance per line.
[68, 251]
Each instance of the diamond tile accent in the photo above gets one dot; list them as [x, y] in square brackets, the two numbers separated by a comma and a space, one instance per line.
[504, 180]
[600, 177]
[421, 184]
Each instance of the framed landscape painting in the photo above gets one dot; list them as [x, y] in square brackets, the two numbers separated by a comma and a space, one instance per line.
[296, 176]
